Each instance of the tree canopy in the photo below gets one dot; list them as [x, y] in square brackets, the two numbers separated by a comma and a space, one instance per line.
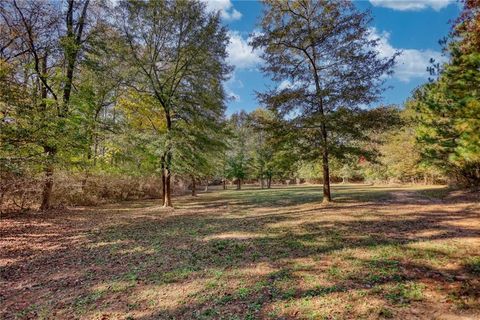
[124, 99]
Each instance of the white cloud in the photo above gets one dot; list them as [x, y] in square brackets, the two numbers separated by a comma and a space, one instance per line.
[240, 54]
[231, 85]
[412, 5]
[233, 96]
[233, 82]
[227, 11]
[285, 84]
[411, 63]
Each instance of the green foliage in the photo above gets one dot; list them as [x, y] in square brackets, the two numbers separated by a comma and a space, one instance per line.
[93, 99]
[140, 94]
[399, 158]
[257, 151]
[239, 158]
[322, 56]
[274, 155]
[447, 112]
[179, 68]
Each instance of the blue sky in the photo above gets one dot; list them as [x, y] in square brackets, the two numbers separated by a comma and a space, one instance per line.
[413, 26]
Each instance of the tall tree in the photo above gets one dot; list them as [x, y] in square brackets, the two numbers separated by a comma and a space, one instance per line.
[177, 52]
[448, 108]
[323, 55]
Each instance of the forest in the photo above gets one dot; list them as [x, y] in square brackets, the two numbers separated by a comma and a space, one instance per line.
[130, 190]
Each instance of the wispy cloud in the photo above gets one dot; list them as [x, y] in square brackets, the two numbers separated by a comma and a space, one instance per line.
[241, 56]
[231, 86]
[412, 5]
[411, 63]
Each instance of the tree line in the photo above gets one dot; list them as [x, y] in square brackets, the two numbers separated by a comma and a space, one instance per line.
[99, 97]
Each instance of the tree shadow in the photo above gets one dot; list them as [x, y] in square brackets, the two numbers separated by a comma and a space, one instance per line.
[398, 288]
[137, 247]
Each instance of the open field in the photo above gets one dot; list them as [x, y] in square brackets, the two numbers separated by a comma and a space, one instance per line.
[377, 252]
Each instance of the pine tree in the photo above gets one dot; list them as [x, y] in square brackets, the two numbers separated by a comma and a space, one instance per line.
[449, 107]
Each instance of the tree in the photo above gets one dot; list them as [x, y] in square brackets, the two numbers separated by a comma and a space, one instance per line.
[177, 52]
[324, 55]
[239, 160]
[200, 148]
[262, 150]
[467, 26]
[448, 108]
[237, 168]
[97, 96]
[46, 41]
[347, 171]
[400, 157]
[273, 151]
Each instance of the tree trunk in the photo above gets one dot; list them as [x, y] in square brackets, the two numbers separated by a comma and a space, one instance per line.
[224, 184]
[239, 184]
[168, 175]
[318, 90]
[74, 33]
[269, 182]
[194, 187]
[95, 151]
[206, 185]
[168, 162]
[48, 183]
[163, 180]
[168, 190]
[327, 197]
[262, 183]
[49, 151]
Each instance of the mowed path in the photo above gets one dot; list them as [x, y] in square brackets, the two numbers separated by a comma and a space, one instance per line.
[377, 252]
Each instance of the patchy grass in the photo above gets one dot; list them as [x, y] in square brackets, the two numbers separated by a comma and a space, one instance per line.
[376, 252]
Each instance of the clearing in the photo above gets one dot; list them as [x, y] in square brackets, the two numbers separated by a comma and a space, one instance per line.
[377, 252]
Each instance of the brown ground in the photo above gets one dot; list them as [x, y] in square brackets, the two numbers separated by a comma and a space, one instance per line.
[411, 253]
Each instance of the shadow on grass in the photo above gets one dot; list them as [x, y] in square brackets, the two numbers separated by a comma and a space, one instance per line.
[209, 238]
[386, 281]
[252, 197]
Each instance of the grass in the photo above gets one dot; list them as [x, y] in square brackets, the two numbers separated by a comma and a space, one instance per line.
[376, 252]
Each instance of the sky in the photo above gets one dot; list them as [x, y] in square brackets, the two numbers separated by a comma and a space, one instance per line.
[412, 26]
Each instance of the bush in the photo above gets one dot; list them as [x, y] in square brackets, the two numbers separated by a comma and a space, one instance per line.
[20, 192]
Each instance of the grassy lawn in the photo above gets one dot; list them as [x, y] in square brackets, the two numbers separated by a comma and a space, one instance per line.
[377, 252]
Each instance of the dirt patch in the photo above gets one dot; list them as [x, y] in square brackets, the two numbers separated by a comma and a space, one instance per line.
[412, 197]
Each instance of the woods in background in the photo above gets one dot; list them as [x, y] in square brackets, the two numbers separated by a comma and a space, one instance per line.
[108, 101]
